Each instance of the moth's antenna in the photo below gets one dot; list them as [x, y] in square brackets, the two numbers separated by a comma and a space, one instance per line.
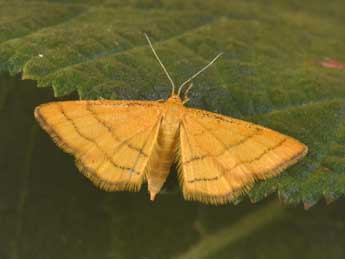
[160, 62]
[198, 73]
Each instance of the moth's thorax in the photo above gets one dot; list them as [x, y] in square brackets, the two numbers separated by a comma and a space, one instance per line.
[174, 110]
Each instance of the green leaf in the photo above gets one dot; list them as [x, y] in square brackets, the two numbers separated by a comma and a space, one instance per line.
[270, 72]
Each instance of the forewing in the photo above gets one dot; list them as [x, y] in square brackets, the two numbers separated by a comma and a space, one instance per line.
[111, 140]
[221, 157]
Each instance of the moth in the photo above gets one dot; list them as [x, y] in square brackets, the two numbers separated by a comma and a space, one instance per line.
[119, 145]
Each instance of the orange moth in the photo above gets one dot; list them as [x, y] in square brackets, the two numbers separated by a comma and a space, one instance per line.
[119, 145]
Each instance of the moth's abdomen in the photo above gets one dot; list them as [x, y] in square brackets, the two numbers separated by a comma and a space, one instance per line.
[163, 155]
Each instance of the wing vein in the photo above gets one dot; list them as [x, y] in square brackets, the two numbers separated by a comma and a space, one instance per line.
[112, 133]
[124, 168]
[242, 162]
[145, 143]
[226, 148]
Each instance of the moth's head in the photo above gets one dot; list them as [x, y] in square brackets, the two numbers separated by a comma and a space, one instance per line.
[174, 98]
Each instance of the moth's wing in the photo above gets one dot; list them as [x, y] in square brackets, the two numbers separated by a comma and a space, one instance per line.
[220, 157]
[112, 141]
